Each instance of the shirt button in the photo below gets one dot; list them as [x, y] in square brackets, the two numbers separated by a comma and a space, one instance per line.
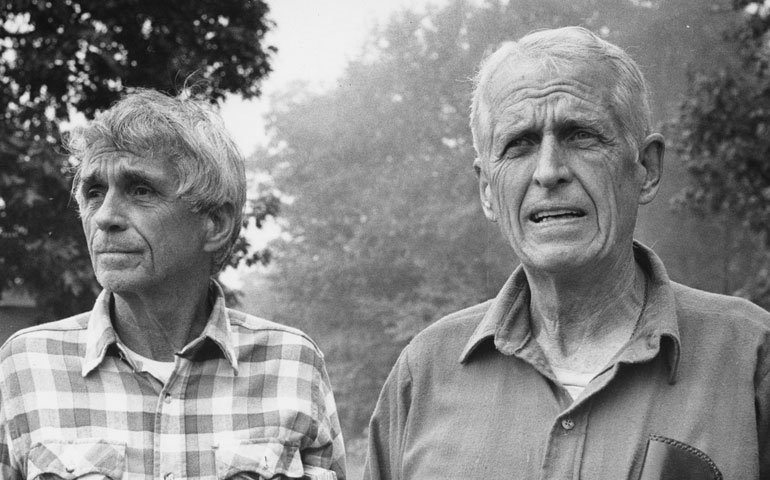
[652, 340]
[168, 476]
[567, 424]
[167, 399]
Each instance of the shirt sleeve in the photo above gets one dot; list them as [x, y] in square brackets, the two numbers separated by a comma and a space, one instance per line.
[326, 451]
[762, 402]
[388, 424]
[8, 470]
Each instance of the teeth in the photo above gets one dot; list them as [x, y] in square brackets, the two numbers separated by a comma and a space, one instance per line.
[545, 216]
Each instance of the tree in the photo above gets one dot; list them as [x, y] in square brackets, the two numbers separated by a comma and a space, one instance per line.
[724, 126]
[62, 57]
[385, 203]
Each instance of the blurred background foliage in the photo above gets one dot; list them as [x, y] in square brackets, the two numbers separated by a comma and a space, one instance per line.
[383, 233]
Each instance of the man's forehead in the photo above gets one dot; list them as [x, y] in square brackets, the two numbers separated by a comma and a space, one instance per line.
[108, 160]
[518, 78]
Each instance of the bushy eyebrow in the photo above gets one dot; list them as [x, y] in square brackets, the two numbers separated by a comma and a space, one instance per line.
[575, 123]
[561, 125]
[133, 177]
[126, 177]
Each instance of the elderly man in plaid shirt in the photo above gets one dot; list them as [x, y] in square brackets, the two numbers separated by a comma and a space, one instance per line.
[160, 380]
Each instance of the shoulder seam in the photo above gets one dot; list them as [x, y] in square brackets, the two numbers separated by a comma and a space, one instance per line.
[270, 326]
[52, 326]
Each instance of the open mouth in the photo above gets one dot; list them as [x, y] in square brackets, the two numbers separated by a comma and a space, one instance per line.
[560, 214]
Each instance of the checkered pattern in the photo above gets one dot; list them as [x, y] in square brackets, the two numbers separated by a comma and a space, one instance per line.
[248, 395]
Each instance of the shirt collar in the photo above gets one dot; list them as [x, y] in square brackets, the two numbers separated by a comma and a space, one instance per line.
[507, 319]
[101, 335]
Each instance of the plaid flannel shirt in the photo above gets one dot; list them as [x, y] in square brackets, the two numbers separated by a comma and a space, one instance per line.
[249, 398]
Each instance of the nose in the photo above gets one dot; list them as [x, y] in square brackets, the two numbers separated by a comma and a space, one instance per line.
[110, 215]
[551, 169]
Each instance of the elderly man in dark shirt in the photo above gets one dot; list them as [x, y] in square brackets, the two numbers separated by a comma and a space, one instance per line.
[590, 363]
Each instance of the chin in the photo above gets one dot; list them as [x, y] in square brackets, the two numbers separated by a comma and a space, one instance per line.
[122, 283]
[559, 259]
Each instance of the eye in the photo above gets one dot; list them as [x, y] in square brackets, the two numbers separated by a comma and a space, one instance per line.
[582, 135]
[520, 142]
[519, 145]
[141, 190]
[93, 192]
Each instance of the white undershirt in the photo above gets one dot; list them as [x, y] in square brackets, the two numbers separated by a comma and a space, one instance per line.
[574, 382]
[160, 370]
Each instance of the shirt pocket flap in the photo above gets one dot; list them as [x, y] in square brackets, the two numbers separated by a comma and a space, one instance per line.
[77, 458]
[318, 473]
[267, 458]
[669, 459]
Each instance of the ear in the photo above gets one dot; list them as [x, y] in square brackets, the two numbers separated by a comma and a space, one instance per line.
[219, 225]
[651, 159]
[485, 191]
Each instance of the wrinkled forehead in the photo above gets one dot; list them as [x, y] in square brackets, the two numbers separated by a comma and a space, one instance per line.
[107, 160]
[518, 77]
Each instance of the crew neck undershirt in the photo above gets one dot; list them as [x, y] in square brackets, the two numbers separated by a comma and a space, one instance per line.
[573, 382]
[160, 370]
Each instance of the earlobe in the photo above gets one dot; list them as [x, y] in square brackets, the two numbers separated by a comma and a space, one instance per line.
[651, 159]
[485, 192]
[219, 225]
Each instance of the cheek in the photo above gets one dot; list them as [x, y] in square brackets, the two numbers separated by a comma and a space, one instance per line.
[611, 188]
[623, 182]
[85, 222]
[509, 185]
[192, 226]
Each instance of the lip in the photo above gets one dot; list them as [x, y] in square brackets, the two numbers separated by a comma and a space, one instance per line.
[115, 251]
[545, 214]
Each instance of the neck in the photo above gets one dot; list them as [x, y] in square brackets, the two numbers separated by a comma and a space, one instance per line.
[158, 324]
[581, 321]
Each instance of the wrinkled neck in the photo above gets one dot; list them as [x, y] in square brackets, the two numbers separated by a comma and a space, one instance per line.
[581, 321]
[158, 326]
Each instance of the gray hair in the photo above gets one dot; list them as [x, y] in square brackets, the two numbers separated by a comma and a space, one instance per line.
[558, 48]
[184, 131]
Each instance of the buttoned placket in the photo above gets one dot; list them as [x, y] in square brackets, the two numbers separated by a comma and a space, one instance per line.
[564, 453]
[566, 439]
[169, 438]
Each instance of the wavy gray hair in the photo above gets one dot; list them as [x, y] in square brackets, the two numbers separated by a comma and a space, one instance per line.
[188, 133]
[562, 47]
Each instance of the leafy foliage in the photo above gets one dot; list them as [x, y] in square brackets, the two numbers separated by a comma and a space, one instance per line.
[385, 228]
[724, 131]
[61, 57]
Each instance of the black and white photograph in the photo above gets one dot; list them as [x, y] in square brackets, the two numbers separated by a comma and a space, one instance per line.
[385, 240]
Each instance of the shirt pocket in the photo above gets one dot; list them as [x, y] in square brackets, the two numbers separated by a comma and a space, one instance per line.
[90, 459]
[258, 459]
[669, 459]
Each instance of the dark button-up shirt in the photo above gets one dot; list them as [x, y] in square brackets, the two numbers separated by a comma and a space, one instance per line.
[248, 397]
[473, 396]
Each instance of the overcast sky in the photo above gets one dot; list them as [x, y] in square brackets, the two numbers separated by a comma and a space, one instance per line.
[315, 39]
